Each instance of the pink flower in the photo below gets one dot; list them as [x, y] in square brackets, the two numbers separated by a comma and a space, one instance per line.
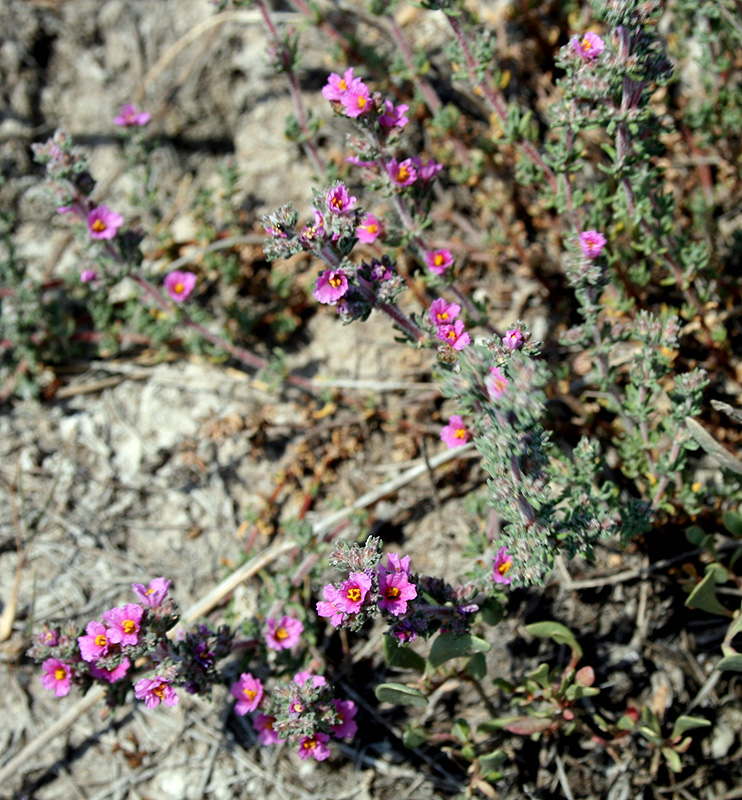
[263, 724]
[88, 275]
[302, 677]
[395, 564]
[394, 116]
[95, 644]
[455, 335]
[369, 230]
[338, 199]
[314, 746]
[112, 675]
[249, 693]
[155, 594]
[395, 589]
[329, 606]
[123, 624]
[337, 86]
[332, 284]
[347, 727]
[455, 433]
[357, 100]
[179, 284]
[427, 171]
[104, 223]
[155, 691]
[512, 339]
[592, 243]
[495, 384]
[443, 313]
[502, 565]
[56, 677]
[353, 592]
[314, 232]
[403, 173]
[282, 634]
[589, 47]
[129, 117]
[438, 261]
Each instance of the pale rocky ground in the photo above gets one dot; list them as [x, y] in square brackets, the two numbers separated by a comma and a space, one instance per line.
[122, 482]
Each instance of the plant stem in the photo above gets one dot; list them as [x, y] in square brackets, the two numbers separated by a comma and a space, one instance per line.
[496, 100]
[307, 142]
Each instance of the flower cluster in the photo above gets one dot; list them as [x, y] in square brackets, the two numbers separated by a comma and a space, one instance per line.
[108, 649]
[448, 328]
[303, 710]
[412, 605]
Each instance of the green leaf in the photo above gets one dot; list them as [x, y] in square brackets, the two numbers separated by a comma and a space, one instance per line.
[402, 657]
[399, 694]
[414, 736]
[468, 752]
[461, 730]
[732, 663]
[696, 535]
[733, 522]
[541, 676]
[673, 759]
[527, 726]
[736, 626]
[447, 646]
[683, 724]
[556, 631]
[496, 724]
[492, 761]
[703, 596]
[477, 667]
[712, 447]
[492, 611]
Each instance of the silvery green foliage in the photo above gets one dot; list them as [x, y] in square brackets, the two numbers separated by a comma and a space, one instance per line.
[551, 503]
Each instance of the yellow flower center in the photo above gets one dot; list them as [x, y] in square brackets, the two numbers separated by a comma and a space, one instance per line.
[361, 102]
[249, 693]
[451, 334]
[438, 260]
[402, 174]
[99, 226]
[342, 84]
[504, 567]
[335, 282]
[354, 594]
[101, 640]
[159, 691]
[460, 433]
[585, 44]
[178, 288]
[371, 228]
[60, 674]
[149, 591]
[129, 626]
[309, 744]
[336, 202]
[391, 593]
[297, 708]
[443, 315]
[281, 634]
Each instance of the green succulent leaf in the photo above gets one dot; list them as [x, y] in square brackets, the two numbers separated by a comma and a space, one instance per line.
[556, 631]
[400, 695]
[448, 646]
